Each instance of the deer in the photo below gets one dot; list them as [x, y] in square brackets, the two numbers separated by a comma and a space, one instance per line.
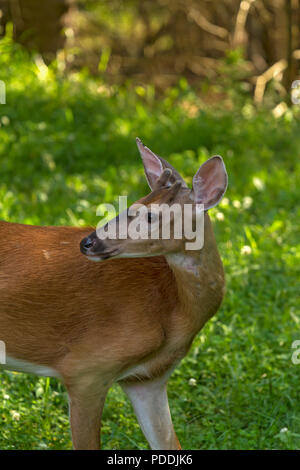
[129, 317]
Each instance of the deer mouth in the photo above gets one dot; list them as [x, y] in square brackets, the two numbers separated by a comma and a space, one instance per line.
[96, 249]
[103, 256]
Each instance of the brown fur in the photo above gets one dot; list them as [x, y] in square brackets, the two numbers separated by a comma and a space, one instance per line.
[54, 301]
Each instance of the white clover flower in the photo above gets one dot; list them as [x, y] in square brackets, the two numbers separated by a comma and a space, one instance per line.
[15, 415]
[236, 203]
[258, 183]
[220, 216]
[283, 430]
[5, 120]
[246, 250]
[192, 382]
[224, 202]
[247, 202]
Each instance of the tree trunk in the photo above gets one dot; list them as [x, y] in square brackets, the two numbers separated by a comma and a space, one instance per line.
[37, 25]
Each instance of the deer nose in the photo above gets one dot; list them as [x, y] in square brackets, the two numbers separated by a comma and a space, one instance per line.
[86, 244]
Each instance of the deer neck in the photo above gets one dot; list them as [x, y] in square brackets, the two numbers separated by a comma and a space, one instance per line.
[199, 277]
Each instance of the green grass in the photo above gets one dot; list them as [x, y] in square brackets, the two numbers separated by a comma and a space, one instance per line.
[67, 145]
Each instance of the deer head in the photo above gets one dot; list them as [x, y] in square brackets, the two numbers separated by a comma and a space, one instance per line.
[154, 225]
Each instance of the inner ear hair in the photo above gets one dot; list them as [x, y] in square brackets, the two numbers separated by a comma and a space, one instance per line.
[164, 178]
[173, 190]
[175, 176]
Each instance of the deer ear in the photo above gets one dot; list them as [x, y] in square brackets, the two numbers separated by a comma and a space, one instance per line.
[152, 164]
[154, 167]
[210, 182]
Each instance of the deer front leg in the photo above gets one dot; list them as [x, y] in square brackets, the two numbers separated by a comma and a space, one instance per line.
[86, 408]
[150, 403]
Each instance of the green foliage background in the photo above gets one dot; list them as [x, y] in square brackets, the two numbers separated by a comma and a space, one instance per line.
[67, 145]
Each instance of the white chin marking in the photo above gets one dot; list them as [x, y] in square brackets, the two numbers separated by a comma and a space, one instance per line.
[19, 365]
[136, 255]
[94, 258]
[124, 255]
